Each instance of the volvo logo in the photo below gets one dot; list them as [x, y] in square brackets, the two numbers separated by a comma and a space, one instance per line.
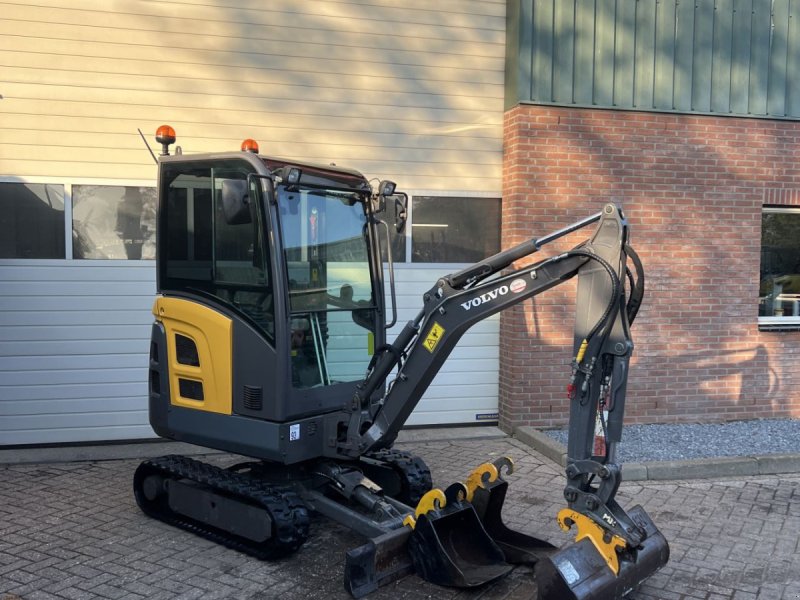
[516, 286]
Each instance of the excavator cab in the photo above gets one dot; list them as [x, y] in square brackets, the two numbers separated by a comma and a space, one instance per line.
[269, 341]
[282, 261]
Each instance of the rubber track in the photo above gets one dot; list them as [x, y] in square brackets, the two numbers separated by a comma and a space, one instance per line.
[413, 470]
[289, 514]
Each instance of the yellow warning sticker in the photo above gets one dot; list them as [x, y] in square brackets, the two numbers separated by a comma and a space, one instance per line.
[434, 335]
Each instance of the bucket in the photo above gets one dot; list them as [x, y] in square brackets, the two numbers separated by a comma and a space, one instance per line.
[518, 548]
[579, 572]
[450, 547]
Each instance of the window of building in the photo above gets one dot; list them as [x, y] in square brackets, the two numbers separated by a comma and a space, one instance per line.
[779, 290]
[454, 230]
[113, 222]
[31, 220]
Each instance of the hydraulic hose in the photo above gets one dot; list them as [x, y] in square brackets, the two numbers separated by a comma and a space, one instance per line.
[615, 283]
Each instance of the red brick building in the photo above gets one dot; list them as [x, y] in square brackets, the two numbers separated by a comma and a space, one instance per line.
[716, 339]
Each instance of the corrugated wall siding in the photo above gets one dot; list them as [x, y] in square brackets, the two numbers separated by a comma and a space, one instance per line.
[74, 341]
[738, 57]
[411, 91]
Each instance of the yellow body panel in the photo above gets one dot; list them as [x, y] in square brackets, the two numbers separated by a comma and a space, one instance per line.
[212, 334]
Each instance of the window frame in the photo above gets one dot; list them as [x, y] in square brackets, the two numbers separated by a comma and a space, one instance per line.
[68, 182]
[767, 323]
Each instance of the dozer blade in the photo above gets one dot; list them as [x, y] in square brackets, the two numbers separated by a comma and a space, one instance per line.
[380, 561]
[449, 546]
[487, 489]
[580, 572]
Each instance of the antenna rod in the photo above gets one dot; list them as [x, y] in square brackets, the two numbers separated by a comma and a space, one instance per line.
[155, 160]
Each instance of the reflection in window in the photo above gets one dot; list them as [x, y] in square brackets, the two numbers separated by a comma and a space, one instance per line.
[779, 290]
[454, 230]
[31, 220]
[114, 222]
[325, 247]
[332, 309]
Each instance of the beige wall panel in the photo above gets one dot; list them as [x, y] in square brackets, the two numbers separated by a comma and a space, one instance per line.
[234, 126]
[489, 8]
[487, 83]
[251, 89]
[403, 163]
[91, 97]
[203, 57]
[418, 98]
[286, 18]
[341, 153]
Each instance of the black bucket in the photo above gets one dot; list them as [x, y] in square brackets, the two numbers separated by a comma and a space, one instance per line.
[450, 547]
[519, 548]
[579, 572]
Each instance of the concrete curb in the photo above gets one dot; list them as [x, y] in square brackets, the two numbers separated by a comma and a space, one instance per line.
[702, 468]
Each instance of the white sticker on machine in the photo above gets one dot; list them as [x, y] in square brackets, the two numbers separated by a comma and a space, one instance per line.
[568, 571]
[294, 432]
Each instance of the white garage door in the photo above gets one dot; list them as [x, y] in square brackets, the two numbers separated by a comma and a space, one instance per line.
[74, 341]
[466, 389]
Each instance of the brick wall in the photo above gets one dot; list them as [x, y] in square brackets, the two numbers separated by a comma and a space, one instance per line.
[692, 188]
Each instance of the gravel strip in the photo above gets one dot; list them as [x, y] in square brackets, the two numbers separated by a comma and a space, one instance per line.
[643, 443]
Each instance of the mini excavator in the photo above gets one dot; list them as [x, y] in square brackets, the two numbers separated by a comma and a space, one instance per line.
[269, 341]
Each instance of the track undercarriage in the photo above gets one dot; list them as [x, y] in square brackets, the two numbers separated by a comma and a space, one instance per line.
[262, 509]
[453, 537]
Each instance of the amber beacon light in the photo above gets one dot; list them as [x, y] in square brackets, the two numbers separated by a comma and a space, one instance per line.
[165, 135]
[250, 145]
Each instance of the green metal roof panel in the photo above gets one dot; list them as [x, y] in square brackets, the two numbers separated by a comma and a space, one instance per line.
[736, 57]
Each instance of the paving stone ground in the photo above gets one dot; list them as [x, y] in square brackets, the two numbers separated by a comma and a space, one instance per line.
[73, 531]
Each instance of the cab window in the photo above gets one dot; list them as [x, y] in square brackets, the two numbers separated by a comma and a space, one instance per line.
[214, 243]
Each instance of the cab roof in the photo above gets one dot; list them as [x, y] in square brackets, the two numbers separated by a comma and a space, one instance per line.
[311, 173]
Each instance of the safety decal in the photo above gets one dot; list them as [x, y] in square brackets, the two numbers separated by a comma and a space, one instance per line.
[434, 335]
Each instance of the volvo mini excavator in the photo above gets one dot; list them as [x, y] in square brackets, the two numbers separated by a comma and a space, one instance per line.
[269, 341]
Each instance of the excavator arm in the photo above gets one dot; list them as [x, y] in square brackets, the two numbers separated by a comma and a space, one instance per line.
[602, 349]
